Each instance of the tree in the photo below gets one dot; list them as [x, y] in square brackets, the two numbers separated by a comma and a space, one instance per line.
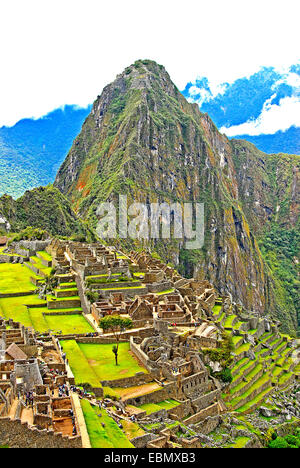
[116, 325]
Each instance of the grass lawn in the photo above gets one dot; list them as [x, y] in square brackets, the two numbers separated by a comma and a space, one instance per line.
[15, 278]
[167, 291]
[83, 373]
[239, 442]
[67, 324]
[16, 308]
[132, 429]
[102, 361]
[110, 436]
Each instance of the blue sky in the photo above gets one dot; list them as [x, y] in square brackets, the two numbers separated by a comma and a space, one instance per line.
[263, 103]
[65, 51]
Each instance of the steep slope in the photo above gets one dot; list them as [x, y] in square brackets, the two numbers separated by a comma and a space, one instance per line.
[32, 150]
[145, 140]
[45, 208]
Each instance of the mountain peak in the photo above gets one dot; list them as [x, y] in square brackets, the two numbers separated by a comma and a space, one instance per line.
[143, 139]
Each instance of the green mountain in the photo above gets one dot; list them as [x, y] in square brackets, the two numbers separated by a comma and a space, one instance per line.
[45, 208]
[32, 150]
[142, 138]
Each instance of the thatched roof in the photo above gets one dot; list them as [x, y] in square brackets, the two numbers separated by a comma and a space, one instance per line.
[15, 352]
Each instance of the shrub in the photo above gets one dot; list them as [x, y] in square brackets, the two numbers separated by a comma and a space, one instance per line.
[292, 440]
[92, 296]
[280, 442]
[225, 375]
[30, 233]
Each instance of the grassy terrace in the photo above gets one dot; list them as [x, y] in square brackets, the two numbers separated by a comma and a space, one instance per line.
[16, 308]
[216, 309]
[82, 372]
[236, 340]
[96, 362]
[56, 299]
[45, 255]
[256, 385]
[64, 324]
[249, 377]
[239, 365]
[279, 370]
[244, 347]
[38, 264]
[69, 285]
[259, 398]
[153, 407]
[167, 291]
[110, 436]
[15, 278]
[229, 321]
[119, 288]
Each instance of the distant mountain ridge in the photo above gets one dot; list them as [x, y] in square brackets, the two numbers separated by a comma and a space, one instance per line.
[280, 142]
[32, 150]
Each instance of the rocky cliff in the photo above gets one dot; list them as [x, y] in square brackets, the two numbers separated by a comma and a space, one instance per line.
[142, 138]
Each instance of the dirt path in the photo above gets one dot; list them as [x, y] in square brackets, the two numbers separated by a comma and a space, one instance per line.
[133, 392]
[27, 416]
[13, 408]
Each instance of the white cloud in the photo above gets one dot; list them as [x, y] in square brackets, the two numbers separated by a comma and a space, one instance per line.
[272, 118]
[56, 52]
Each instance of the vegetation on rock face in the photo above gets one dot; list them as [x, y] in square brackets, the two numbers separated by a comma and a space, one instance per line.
[30, 233]
[288, 441]
[269, 194]
[223, 355]
[280, 248]
[44, 208]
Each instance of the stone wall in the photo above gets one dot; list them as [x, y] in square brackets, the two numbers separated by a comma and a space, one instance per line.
[194, 382]
[12, 259]
[127, 292]
[181, 411]
[209, 424]
[142, 441]
[136, 349]
[168, 391]
[205, 400]
[18, 435]
[59, 304]
[16, 294]
[138, 379]
[212, 410]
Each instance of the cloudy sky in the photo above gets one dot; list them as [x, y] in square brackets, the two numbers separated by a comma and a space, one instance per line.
[56, 52]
